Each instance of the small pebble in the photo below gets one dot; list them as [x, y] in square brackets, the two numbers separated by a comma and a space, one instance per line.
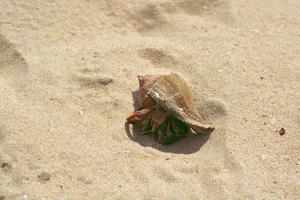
[96, 54]
[80, 112]
[44, 176]
[4, 165]
[261, 78]
[264, 157]
[2, 197]
[273, 121]
[282, 131]
[167, 158]
[84, 180]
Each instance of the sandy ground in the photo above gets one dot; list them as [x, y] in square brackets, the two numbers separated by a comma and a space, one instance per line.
[68, 80]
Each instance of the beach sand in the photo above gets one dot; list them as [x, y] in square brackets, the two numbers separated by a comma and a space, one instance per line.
[68, 81]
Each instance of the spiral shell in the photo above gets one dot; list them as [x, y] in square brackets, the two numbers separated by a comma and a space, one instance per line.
[173, 94]
[167, 109]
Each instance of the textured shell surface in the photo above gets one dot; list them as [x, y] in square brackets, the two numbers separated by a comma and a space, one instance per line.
[173, 94]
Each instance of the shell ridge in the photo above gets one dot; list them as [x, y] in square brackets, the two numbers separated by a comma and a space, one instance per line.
[172, 94]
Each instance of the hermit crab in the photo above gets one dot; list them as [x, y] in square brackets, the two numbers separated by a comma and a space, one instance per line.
[166, 109]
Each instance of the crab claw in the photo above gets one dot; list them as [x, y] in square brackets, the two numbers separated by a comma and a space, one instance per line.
[139, 117]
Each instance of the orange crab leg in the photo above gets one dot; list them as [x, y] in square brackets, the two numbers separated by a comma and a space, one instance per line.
[139, 116]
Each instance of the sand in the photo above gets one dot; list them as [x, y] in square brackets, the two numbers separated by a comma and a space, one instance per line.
[68, 81]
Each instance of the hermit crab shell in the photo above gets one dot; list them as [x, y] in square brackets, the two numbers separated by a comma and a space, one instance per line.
[173, 94]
